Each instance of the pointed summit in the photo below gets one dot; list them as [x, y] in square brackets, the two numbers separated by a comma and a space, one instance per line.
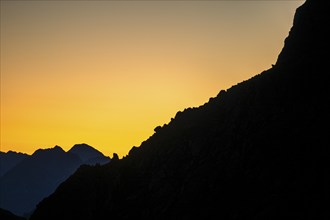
[86, 153]
[309, 37]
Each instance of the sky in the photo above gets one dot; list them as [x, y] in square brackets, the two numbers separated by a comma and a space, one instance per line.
[106, 73]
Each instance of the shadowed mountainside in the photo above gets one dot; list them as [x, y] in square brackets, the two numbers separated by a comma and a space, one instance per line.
[256, 151]
[6, 215]
[9, 160]
[38, 175]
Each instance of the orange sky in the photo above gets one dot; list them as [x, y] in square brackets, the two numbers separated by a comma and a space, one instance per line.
[107, 73]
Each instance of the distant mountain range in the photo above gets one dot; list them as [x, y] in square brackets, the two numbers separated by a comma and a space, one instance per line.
[9, 160]
[256, 151]
[26, 179]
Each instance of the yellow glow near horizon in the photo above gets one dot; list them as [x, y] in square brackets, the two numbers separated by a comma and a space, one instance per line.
[106, 73]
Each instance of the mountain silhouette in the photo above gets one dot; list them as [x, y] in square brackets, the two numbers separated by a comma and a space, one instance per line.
[38, 175]
[9, 160]
[256, 151]
[6, 215]
[88, 154]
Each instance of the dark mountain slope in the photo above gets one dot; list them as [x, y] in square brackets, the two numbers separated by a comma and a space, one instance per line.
[38, 175]
[9, 160]
[6, 215]
[257, 151]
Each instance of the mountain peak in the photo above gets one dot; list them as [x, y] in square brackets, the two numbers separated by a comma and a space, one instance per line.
[55, 150]
[308, 34]
[85, 152]
[28, 179]
[11, 152]
[81, 146]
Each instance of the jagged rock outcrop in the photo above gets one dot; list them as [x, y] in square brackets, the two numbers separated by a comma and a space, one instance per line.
[256, 151]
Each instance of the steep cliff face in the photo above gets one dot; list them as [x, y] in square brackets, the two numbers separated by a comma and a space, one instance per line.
[256, 151]
[308, 37]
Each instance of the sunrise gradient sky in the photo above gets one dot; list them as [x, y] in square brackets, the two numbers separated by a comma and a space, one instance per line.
[107, 73]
